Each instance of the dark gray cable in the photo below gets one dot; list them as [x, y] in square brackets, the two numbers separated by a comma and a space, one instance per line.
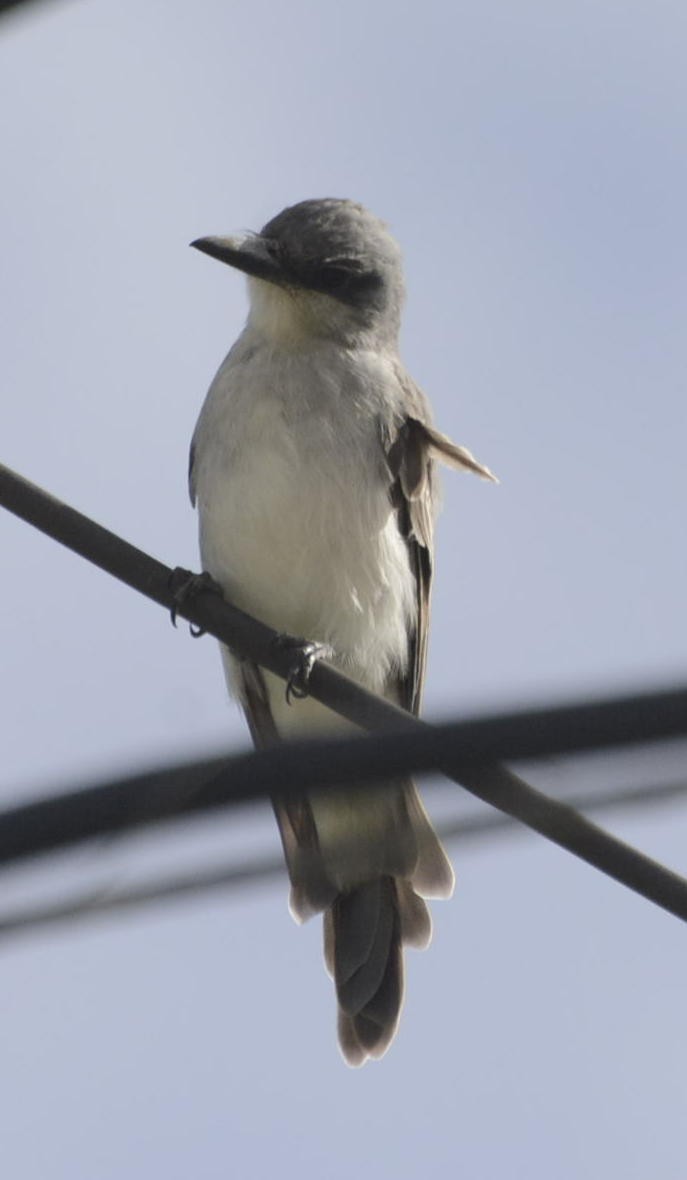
[466, 751]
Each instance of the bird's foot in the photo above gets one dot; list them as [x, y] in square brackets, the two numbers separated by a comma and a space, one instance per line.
[306, 653]
[185, 586]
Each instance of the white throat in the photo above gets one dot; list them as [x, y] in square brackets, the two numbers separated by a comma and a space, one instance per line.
[281, 315]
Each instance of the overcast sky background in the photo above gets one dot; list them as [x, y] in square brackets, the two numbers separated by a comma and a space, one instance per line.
[532, 160]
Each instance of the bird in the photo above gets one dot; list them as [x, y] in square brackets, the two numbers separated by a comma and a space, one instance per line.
[312, 467]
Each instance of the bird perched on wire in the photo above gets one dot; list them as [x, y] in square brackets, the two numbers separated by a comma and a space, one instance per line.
[312, 465]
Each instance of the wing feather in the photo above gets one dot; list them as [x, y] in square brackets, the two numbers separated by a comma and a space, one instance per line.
[411, 445]
[294, 814]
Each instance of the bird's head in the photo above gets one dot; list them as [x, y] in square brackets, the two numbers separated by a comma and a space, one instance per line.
[323, 268]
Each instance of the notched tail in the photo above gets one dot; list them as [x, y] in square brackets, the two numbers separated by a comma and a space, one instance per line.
[366, 857]
[364, 933]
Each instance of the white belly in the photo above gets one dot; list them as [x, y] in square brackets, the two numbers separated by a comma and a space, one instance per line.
[308, 544]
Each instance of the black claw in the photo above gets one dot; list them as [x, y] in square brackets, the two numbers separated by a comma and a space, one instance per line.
[306, 654]
[296, 683]
[185, 585]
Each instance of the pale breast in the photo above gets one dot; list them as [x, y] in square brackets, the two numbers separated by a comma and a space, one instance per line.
[295, 517]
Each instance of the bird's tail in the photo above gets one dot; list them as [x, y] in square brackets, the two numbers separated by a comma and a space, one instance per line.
[364, 933]
[366, 859]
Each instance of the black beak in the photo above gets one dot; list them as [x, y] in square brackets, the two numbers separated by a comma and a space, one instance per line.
[250, 253]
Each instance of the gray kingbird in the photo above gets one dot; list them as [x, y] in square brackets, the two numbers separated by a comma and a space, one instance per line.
[312, 465]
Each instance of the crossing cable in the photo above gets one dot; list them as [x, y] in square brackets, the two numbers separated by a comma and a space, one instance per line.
[103, 901]
[464, 751]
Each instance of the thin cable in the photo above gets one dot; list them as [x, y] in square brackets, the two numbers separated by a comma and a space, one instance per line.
[7, 5]
[140, 801]
[626, 719]
[465, 752]
[105, 902]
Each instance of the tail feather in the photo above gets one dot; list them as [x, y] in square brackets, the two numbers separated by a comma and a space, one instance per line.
[365, 930]
[370, 1032]
[416, 924]
[433, 875]
[366, 858]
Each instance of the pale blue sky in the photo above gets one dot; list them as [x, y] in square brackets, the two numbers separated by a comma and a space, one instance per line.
[532, 160]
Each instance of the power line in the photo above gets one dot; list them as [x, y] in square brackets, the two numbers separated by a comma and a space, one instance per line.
[181, 789]
[162, 795]
[465, 752]
[10, 6]
[103, 902]
[6, 5]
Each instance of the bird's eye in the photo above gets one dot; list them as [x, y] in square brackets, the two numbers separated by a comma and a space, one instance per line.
[336, 278]
[348, 280]
[273, 248]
